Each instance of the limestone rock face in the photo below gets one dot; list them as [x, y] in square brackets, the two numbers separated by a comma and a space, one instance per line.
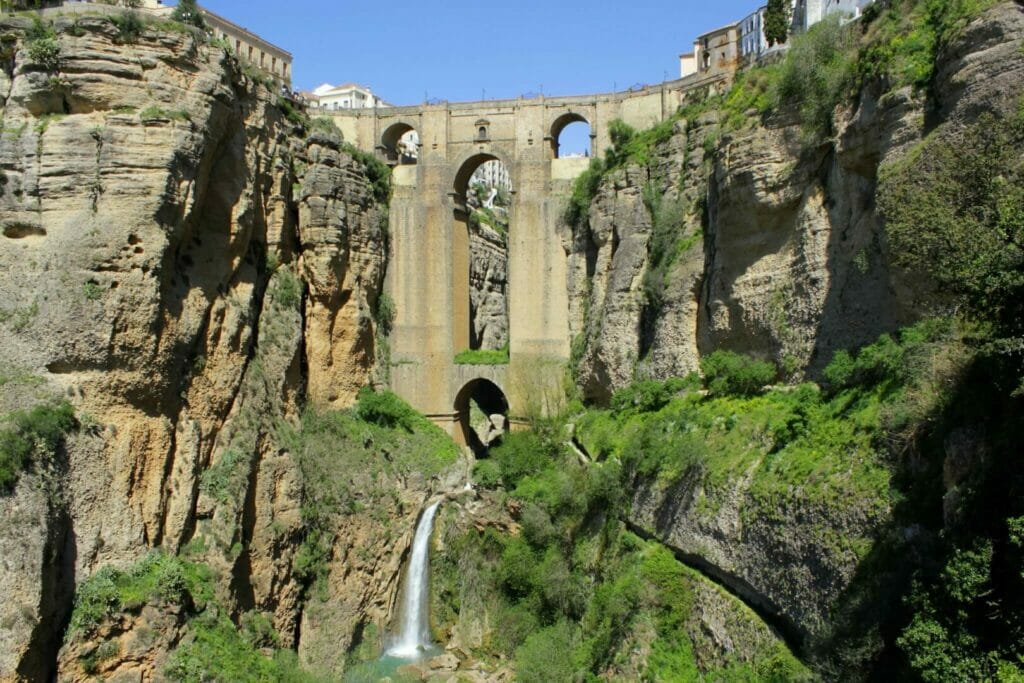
[793, 265]
[173, 255]
[343, 236]
[788, 259]
[488, 286]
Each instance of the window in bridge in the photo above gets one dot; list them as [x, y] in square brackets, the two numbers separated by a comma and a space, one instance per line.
[401, 144]
[570, 137]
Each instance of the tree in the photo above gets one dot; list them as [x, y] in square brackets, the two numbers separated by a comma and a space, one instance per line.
[188, 12]
[776, 22]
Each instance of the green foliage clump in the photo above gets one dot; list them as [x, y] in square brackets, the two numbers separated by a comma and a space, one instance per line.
[129, 26]
[776, 22]
[343, 456]
[817, 72]
[584, 189]
[37, 432]
[295, 116]
[954, 209]
[732, 374]
[385, 409]
[647, 396]
[43, 48]
[483, 357]
[213, 648]
[377, 172]
[160, 578]
[902, 41]
[157, 113]
[187, 12]
[667, 243]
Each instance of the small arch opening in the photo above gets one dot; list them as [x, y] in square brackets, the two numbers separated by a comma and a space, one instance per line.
[401, 144]
[482, 410]
[571, 136]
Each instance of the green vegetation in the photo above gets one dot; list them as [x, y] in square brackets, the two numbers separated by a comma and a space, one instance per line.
[129, 26]
[187, 12]
[732, 374]
[43, 48]
[482, 357]
[157, 113]
[213, 647]
[20, 318]
[378, 173]
[954, 210]
[668, 243]
[343, 457]
[92, 291]
[776, 22]
[32, 435]
[574, 595]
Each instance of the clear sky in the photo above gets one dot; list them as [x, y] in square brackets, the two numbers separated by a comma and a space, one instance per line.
[407, 51]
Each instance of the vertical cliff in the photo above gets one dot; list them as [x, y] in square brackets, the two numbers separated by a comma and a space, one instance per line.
[188, 264]
[742, 230]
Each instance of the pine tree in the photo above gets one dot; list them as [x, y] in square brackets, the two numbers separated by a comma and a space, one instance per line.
[188, 12]
[776, 22]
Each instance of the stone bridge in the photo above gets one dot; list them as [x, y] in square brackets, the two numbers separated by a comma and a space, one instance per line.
[428, 275]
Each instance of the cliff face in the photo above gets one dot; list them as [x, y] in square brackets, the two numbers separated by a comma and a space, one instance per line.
[183, 264]
[784, 255]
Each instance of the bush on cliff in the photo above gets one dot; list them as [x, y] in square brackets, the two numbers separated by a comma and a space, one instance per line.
[34, 433]
[732, 374]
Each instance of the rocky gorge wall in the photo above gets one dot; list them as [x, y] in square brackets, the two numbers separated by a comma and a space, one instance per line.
[186, 265]
[781, 253]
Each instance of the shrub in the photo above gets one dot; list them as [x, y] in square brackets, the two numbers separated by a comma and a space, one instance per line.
[954, 210]
[546, 655]
[487, 474]
[520, 455]
[129, 27]
[732, 374]
[648, 396]
[38, 431]
[188, 12]
[377, 172]
[45, 52]
[817, 73]
[385, 409]
[584, 189]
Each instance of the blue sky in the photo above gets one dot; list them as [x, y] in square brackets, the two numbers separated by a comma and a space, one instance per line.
[407, 51]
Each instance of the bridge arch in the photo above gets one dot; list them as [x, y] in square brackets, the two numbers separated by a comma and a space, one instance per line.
[400, 143]
[466, 165]
[559, 125]
[491, 413]
[466, 333]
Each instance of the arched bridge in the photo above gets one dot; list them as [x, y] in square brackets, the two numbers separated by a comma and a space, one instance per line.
[428, 275]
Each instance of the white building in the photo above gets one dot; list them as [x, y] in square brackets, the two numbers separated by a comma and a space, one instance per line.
[347, 96]
[807, 13]
[492, 174]
[752, 40]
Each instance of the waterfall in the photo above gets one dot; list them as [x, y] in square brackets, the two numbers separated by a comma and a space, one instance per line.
[415, 634]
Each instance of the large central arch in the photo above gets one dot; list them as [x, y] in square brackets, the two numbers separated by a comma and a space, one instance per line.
[462, 337]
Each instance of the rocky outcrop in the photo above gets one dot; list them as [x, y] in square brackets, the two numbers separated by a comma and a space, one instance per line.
[488, 280]
[176, 258]
[794, 265]
[794, 262]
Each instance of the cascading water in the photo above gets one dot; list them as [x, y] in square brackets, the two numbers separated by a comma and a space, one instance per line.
[414, 638]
